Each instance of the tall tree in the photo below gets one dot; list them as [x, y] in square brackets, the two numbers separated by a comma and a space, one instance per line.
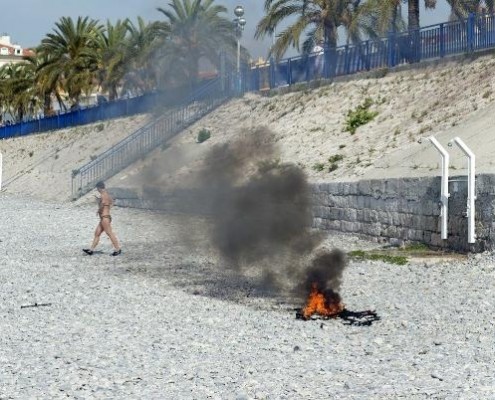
[113, 57]
[460, 9]
[72, 55]
[377, 18]
[141, 49]
[319, 20]
[18, 90]
[198, 30]
[413, 12]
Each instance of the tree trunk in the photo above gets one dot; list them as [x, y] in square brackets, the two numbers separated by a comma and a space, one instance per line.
[395, 14]
[413, 14]
[413, 26]
[112, 93]
[47, 105]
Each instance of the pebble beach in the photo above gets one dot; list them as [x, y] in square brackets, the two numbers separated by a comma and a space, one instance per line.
[167, 320]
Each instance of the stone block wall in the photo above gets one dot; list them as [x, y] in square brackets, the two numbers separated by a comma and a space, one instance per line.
[407, 209]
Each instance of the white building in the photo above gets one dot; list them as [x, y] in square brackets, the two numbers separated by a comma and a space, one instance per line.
[11, 53]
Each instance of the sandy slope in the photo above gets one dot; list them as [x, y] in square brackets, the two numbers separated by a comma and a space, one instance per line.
[41, 165]
[447, 100]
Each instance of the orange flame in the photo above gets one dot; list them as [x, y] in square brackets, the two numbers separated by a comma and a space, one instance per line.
[318, 304]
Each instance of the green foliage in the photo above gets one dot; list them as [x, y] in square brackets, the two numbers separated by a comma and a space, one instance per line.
[388, 258]
[360, 116]
[332, 167]
[335, 158]
[100, 127]
[319, 167]
[333, 163]
[203, 135]
[416, 247]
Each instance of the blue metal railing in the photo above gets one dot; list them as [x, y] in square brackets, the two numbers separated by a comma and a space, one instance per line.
[151, 136]
[435, 41]
[477, 32]
[102, 112]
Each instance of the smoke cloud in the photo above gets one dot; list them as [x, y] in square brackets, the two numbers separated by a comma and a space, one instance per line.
[261, 215]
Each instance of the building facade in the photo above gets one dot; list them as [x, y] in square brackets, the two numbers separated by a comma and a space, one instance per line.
[11, 53]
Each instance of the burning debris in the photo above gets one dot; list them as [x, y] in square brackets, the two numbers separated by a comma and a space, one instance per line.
[356, 318]
[324, 278]
[326, 304]
[261, 215]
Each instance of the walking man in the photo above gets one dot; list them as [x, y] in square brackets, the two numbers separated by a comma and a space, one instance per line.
[105, 225]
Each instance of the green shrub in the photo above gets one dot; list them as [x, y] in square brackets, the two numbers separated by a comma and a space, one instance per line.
[391, 259]
[416, 247]
[204, 134]
[360, 116]
[332, 167]
[319, 167]
[335, 158]
[100, 127]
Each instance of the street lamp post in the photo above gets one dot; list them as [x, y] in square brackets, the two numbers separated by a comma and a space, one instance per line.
[239, 23]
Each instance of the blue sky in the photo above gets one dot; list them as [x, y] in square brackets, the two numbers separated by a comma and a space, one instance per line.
[27, 21]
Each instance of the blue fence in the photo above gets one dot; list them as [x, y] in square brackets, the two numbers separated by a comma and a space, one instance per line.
[102, 112]
[436, 41]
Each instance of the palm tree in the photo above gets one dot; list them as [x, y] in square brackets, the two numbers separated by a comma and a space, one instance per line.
[318, 19]
[198, 30]
[113, 57]
[142, 44]
[72, 56]
[376, 18]
[460, 9]
[46, 85]
[321, 19]
[18, 90]
[413, 12]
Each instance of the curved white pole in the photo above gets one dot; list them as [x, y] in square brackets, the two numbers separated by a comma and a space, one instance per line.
[471, 197]
[444, 191]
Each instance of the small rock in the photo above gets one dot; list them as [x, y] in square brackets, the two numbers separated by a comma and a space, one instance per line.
[297, 348]
[435, 375]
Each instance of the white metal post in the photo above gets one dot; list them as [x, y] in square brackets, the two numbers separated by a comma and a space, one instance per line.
[444, 190]
[471, 197]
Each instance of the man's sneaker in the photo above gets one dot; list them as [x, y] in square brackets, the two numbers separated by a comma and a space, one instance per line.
[89, 252]
[117, 252]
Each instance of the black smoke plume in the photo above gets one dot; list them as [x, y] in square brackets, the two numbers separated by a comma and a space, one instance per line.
[261, 213]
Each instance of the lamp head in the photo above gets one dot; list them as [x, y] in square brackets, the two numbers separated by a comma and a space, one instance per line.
[239, 11]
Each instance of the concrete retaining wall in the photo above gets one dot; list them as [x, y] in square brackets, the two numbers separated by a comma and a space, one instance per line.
[389, 210]
[407, 210]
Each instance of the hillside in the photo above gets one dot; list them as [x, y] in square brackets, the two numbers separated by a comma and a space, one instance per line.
[446, 100]
[450, 99]
[41, 165]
